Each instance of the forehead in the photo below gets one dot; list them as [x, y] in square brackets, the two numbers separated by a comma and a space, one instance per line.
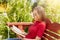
[34, 10]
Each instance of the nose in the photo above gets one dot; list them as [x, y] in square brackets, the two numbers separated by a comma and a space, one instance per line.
[32, 15]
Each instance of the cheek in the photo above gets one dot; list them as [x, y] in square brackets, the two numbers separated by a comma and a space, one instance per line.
[37, 16]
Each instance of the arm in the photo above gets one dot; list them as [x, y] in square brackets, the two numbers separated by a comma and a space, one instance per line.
[19, 23]
[40, 32]
[18, 31]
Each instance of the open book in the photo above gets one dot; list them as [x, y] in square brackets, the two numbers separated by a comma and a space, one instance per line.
[17, 31]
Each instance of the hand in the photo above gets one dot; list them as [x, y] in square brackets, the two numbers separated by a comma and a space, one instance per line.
[8, 24]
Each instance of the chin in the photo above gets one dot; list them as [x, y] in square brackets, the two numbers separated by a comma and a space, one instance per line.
[36, 20]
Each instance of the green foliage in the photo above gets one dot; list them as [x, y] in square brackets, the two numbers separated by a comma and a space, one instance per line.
[3, 28]
[19, 11]
[52, 8]
[3, 1]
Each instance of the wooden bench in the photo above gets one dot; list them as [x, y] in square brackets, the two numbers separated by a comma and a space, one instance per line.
[52, 31]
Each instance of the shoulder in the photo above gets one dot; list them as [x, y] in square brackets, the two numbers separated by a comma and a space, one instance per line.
[42, 24]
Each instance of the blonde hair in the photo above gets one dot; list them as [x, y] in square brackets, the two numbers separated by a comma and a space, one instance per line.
[41, 12]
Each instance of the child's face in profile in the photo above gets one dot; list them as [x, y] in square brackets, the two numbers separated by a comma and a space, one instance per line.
[36, 15]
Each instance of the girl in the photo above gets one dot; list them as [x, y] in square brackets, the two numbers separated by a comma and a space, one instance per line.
[36, 30]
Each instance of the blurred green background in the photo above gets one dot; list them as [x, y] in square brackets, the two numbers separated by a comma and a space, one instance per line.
[19, 11]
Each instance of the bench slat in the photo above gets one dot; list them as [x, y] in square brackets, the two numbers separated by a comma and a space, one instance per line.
[56, 35]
